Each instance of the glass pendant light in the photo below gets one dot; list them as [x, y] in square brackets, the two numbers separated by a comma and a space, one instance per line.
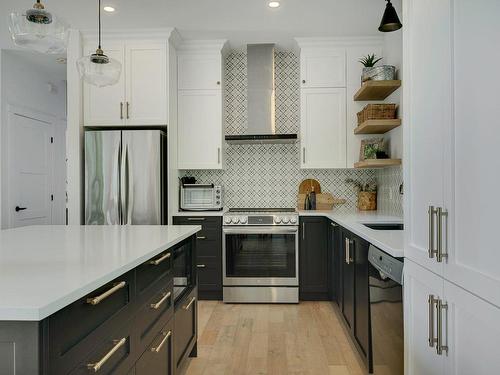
[390, 20]
[98, 69]
[39, 30]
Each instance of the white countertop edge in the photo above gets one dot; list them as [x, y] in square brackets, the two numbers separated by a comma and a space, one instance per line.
[40, 313]
[353, 222]
[200, 213]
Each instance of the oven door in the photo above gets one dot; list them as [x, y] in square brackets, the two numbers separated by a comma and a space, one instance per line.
[260, 256]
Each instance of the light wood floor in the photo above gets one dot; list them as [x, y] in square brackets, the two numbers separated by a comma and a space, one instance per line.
[272, 339]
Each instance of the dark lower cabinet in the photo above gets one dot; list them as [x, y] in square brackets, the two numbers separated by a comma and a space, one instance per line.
[348, 278]
[334, 248]
[209, 254]
[185, 328]
[159, 356]
[314, 259]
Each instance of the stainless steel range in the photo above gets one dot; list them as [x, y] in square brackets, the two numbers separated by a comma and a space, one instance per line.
[260, 256]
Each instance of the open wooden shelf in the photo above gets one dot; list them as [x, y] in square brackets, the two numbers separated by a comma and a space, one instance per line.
[377, 126]
[377, 163]
[376, 90]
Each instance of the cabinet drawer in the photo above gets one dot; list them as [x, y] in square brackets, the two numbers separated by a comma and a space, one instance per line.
[185, 327]
[207, 222]
[158, 356]
[112, 355]
[154, 313]
[154, 269]
[74, 329]
[209, 273]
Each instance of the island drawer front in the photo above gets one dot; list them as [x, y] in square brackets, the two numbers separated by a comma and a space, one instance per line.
[158, 356]
[153, 270]
[154, 313]
[73, 331]
[185, 326]
[114, 354]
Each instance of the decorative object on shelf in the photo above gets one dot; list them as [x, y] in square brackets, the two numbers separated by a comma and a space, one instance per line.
[376, 73]
[377, 112]
[370, 147]
[39, 30]
[98, 69]
[367, 195]
[390, 20]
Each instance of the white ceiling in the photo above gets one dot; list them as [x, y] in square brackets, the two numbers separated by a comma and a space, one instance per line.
[239, 21]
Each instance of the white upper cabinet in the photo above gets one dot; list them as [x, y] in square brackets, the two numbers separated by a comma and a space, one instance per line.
[322, 67]
[451, 142]
[200, 71]
[140, 97]
[323, 128]
[146, 83]
[200, 124]
[105, 105]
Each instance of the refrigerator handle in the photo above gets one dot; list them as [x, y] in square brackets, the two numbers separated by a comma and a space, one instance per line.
[124, 184]
[119, 184]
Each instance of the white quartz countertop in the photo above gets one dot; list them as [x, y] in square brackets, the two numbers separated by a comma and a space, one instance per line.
[390, 241]
[45, 268]
[201, 213]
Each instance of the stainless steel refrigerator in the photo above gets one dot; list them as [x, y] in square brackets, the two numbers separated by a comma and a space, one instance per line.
[125, 176]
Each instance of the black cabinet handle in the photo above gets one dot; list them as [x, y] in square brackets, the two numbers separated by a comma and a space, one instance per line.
[21, 208]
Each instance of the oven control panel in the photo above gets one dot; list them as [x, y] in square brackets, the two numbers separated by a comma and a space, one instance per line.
[285, 219]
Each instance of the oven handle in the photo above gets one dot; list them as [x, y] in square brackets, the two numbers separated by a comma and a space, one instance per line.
[261, 230]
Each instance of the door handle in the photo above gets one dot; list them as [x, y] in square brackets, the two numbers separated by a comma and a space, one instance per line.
[121, 110]
[347, 245]
[431, 212]
[440, 214]
[303, 155]
[128, 107]
[431, 302]
[440, 308]
[304, 230]
[218, 155]
[20, 208]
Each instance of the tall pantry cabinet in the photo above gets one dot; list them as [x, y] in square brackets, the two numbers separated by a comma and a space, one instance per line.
[452, 277]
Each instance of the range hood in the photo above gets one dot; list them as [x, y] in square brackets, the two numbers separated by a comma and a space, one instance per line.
[261, 99]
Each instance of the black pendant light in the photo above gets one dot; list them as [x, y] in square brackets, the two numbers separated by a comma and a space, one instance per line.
[390, 20]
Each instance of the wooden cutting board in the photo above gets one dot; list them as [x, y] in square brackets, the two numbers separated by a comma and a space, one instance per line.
[324, 201]
[306, 186]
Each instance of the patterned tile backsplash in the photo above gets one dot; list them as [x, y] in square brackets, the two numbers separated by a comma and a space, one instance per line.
[389, 199]
[269, 175]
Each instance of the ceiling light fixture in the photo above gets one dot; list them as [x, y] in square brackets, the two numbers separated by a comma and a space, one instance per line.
[39, 30]
[390, 20]
[98, 69]
[108, 9]
[274, 4]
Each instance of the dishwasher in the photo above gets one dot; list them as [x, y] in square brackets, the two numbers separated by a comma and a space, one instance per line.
[386, 312]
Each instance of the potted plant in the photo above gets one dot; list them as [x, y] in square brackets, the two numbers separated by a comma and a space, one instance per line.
[367, 194]
[376, 73]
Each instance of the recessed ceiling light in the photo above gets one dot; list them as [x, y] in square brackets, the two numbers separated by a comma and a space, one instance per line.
[109, 9]
[274, 4]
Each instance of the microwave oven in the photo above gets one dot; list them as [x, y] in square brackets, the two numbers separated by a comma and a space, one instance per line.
[199, 197]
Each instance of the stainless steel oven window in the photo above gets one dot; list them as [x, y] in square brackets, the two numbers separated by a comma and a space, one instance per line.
[259, 264]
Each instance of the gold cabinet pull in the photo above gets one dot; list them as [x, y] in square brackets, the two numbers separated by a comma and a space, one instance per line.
[188, 306]
[156, 262]
[96, 300]
[157, 305]
[196, 218]
[201, 238]
[95, 367]
[166, 336]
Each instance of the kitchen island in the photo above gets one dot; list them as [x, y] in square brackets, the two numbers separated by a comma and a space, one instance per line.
[107, 299]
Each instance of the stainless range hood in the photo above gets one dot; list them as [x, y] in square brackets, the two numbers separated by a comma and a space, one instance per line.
[261, 99]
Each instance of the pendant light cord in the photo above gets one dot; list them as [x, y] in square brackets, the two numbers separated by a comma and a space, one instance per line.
[99, 24]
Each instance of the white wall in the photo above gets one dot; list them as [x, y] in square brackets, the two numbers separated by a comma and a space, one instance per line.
[25, 82]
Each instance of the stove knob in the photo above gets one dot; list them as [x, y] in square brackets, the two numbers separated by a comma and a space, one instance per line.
[243, 220]
[293, 220]
[236, 220]
[227, 220]
[277, 220]
[286, 220]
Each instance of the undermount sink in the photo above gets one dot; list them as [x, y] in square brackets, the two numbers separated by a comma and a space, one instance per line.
[385, 226]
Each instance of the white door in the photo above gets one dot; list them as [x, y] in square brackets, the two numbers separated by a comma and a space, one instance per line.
[106, 105]
[427, 119]
[146, 84]
[323, 67]
[421, 320]
[200, 130]
[474, 250]
[30, 166]
[199, 71]
[473, 332]
[323, 128]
